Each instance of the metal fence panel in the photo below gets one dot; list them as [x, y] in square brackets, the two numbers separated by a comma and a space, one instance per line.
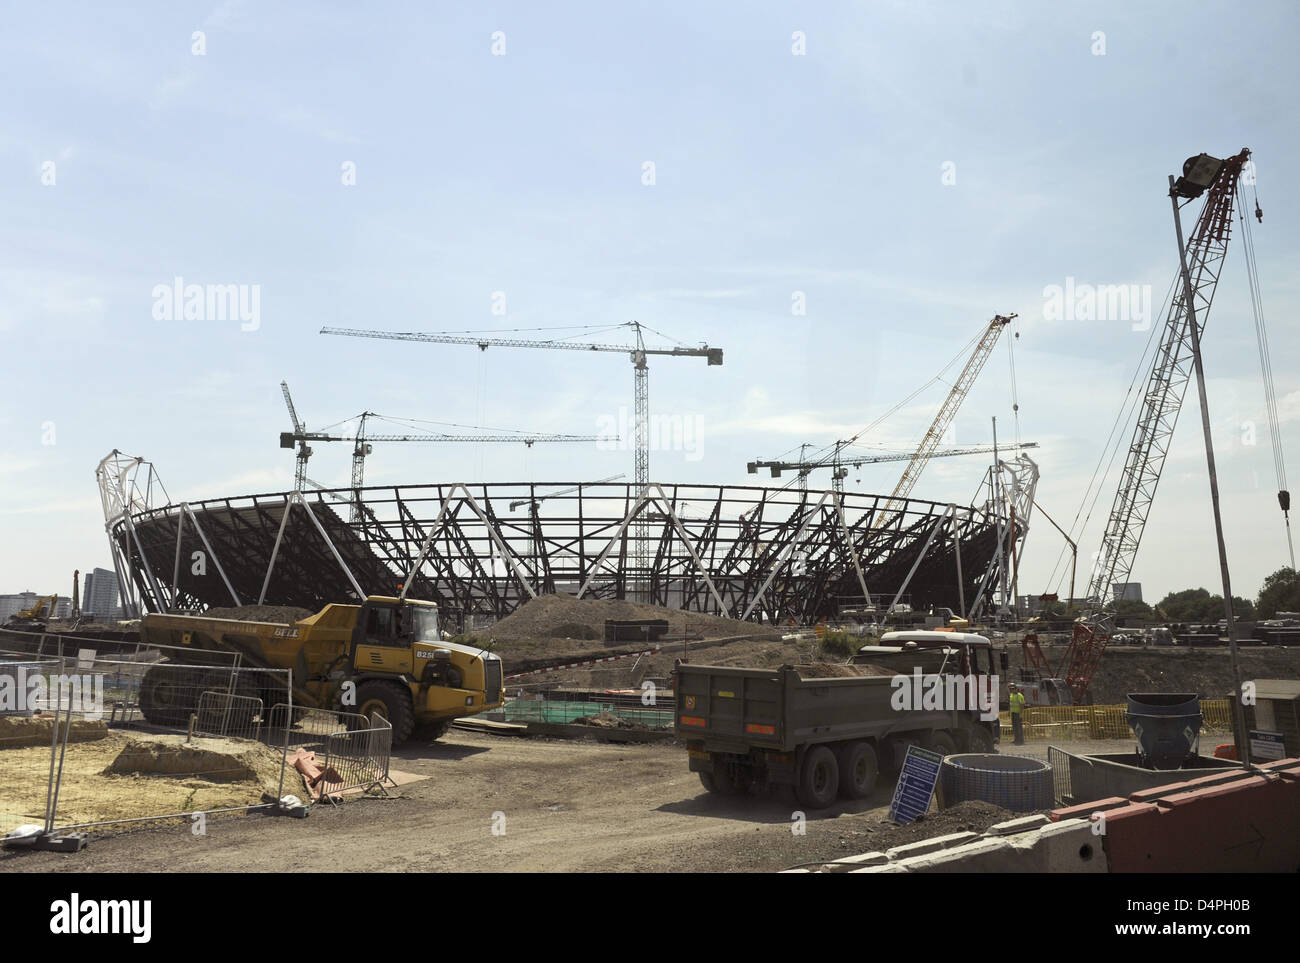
[1100, 723]
[1059, 760]
[358, 756]
[123, 738]
[223, 715]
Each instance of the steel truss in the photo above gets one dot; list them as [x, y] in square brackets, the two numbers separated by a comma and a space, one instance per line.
[751, 552]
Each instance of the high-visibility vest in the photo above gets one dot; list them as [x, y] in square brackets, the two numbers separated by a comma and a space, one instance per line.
[1017, 702]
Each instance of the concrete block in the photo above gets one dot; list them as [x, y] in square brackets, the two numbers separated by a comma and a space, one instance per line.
[1070, 847]
[990, 854]
[1012, 826]
[930, 845]
[1065, 847]
[850, 863]
[844, 864]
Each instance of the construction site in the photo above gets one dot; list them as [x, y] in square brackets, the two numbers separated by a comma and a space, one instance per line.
[638, 674]
[385, 571]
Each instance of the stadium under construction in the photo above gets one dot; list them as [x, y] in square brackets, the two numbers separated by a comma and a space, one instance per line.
[479, 550]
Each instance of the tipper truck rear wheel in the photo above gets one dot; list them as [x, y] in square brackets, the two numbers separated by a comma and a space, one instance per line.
[819, 778]
[389, 701]
[941, 743]
[858, 770]
[981, 741]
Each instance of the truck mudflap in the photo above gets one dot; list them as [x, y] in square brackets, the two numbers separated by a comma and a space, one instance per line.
[760, 766]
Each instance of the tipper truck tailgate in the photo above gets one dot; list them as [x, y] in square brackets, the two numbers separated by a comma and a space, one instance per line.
[727, 706]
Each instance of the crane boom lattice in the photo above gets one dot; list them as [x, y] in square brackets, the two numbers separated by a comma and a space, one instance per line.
[1166, 385]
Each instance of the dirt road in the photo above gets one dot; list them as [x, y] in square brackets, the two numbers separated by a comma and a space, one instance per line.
[564, 807]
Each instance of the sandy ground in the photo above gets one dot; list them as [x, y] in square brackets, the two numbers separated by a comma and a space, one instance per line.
[87, 793]
[564, 806]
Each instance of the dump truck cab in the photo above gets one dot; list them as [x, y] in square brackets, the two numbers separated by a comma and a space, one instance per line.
[399, 640]
[937, 652]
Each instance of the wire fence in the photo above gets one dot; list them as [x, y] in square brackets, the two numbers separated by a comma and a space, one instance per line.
[26, 728]
[96, 736]
[1097, 723]
[561, 711]
[105, 736]
[357, 757]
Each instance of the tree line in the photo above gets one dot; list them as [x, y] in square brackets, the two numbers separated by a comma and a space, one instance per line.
[1279, 593]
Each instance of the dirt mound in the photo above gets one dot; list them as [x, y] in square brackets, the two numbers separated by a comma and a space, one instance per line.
[39, 730]
[260, 613]
[606, 720]
[563, 616]
[834, 670]
[93, 790]
[215, 760]
[874, 834]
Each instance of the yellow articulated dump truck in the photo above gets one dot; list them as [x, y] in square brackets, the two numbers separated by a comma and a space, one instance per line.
[381, 658]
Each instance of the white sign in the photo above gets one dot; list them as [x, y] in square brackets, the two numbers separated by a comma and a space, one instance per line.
[1266, 745]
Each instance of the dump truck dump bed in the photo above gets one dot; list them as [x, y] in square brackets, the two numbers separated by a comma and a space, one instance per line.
[737, 709]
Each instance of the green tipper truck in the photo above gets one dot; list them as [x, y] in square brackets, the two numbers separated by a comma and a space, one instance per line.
[829, 737]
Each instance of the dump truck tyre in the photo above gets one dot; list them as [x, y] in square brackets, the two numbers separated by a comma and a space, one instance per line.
[941, 743]
[819, 778]
[859, 770]
[167, 695]
[430, 730]
[390, 700]
[981, 741]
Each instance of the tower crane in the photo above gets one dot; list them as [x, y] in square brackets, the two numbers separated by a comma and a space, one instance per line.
[1167, 383]
[637, 352]
[362, 446]
[304, 450]
[841, 464]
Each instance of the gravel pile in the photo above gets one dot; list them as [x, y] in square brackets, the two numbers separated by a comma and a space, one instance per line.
[836, 670]
[566, 617]
[260, 613]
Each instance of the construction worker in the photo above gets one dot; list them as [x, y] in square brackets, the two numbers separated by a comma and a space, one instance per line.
[1017, 700]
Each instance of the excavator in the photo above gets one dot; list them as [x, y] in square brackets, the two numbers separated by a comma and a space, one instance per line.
[34, 618]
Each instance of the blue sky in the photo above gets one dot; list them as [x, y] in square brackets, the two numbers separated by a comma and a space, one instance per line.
[523, 173]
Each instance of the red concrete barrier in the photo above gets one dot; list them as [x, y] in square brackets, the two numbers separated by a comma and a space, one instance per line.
[1240, 822]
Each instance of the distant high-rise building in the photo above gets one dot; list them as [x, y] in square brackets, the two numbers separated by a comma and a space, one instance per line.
[1128, 591]
[100, 596]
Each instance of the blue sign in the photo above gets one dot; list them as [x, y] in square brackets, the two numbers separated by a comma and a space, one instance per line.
[916, 785]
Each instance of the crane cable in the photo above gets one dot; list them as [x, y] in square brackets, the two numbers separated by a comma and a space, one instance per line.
[1114, 441]
[1266, 364]
[1015, 401]
[821, 453]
